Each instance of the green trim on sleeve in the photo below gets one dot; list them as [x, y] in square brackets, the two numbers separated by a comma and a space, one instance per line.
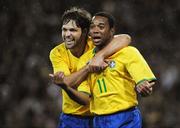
[151, 79]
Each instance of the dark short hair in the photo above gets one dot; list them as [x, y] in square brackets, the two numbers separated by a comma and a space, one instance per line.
[79, 15]
[110, 18]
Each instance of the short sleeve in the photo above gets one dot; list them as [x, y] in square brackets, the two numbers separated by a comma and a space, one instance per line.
[138, 67]
[58, 62]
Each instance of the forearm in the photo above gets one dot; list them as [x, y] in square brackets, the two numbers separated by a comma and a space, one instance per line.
[117, 43]
[75, 79]
[79, 97]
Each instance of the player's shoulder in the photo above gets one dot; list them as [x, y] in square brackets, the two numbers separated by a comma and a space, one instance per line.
[130, 49]
[58, 49]
[88, 54]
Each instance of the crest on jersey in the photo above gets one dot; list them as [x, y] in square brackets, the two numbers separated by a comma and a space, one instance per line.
[112, 64]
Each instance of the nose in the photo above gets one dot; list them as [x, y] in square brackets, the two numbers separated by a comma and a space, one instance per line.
[67, 33]
[94, 30]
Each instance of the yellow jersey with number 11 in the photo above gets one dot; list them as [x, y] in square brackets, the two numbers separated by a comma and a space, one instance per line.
[113, 89]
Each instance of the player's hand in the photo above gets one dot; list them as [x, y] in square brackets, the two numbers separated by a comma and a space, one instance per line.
[97, 64]
[57, 78]
[145, 88]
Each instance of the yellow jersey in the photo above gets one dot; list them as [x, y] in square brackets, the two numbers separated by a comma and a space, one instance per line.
[62, 60]
[113, 89]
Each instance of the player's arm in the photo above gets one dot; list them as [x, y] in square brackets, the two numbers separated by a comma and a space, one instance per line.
[140, 71]
[72, 80]
[118, 42]
[79, 97]
[145, 88]
[60, 65]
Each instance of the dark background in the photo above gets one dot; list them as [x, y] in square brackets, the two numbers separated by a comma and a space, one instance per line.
[29, 29]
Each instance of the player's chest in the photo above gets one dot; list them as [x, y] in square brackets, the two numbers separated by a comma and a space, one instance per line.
[72, 63]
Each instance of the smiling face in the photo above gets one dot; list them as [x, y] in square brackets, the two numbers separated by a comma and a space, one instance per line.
[71, 34]
[100, 31]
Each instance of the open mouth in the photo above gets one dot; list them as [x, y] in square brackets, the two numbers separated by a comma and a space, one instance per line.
[96, 38]
[69, 41]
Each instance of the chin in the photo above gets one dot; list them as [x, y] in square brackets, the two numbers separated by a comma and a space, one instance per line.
[69, 46]
[97, 43]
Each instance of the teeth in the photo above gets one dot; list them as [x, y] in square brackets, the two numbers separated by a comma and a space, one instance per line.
[69, 40]
[96, 38]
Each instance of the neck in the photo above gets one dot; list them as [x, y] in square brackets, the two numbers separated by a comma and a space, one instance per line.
[100, 47]
[79, 49]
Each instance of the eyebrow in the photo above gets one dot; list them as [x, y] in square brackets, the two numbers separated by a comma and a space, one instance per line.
[101, 23]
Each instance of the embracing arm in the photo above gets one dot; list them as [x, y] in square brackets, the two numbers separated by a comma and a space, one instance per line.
[73, 80]
[118, 42]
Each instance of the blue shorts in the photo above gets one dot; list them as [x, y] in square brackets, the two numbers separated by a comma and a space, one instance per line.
[130, 118]
[74, 121]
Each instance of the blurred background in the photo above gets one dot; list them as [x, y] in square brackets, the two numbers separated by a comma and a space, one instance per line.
[29, 29]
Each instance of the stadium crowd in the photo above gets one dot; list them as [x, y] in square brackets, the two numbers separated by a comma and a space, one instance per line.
[29, 29]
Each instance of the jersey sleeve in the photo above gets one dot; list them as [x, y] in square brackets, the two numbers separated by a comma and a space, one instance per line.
[58, 62]
[138, 67]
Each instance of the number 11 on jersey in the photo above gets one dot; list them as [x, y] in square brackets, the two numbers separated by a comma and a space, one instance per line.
[102, 85]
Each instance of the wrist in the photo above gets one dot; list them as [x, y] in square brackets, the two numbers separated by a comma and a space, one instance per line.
[100, 55]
